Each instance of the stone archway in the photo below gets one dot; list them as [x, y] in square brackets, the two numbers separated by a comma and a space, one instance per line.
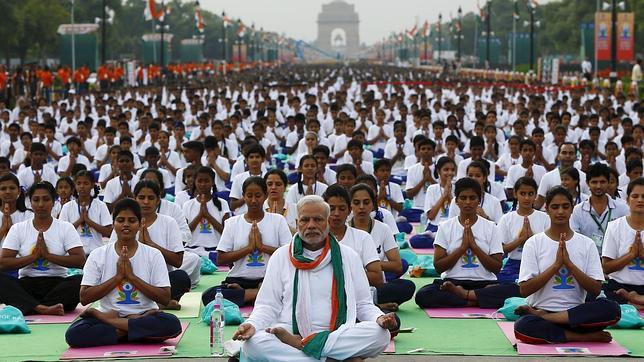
[339, 29]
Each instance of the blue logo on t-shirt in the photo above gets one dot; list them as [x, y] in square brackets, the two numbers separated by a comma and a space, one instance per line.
[255, 259]
[636, 264]
[564, 280]
[469, 260]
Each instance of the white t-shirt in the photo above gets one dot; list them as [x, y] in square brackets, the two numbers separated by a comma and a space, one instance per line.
[63, 162]
[562, 292]
[274, 231]
[26, 176]
[59, 238]
[490, 204]
[19, 216]
[236, 190]
[450, 237]
[290, 213]
[293, 195]
[433, 194]
[98, 212]
[164, 231]
[383, 239]
[147, 264]
[223, 164]
[394, 193]
[511, 224]
[362, 243]
[168, 178]
[553, 178]
[113, 188]
[176, 212]
[462, 169]
[506, 161]
[617, 241]
[414, 177]
[205, 235]
[181, 198]
[518, 171]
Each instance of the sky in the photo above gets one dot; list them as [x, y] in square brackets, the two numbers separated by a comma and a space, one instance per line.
[378, 18]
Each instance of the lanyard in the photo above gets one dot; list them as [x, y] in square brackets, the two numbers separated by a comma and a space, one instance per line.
[600, 224]
[482, 199]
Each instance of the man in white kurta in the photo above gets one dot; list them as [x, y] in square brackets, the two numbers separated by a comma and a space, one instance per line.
[268, 331]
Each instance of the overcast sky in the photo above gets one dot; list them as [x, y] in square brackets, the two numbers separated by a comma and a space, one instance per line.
[378, 18]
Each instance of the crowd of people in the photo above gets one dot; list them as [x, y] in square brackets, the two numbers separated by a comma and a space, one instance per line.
[307, 180]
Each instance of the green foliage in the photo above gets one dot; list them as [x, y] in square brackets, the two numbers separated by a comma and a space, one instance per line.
[28, 27]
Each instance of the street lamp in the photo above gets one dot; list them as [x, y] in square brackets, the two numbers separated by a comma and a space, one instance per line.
[440, 39]
[460, 32]
[488, 21]
[224, 41]
[613, 36]
[532, 23]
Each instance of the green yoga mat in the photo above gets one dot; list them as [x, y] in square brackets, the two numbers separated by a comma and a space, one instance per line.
[190, 306]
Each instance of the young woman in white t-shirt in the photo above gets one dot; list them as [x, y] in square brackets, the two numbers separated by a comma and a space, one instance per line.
[206, 213]
[559, 268]
[438, 198]
[468, 254]
[247, 243]
[623, 251]
[188, 177]
[276, 181]
[42, 248]
[89, 215]
[12, 201]
[489, 206]
[162, 233]
[340, 205]
[307, 183]
[130, 280]
[516, 227]
[394, 291]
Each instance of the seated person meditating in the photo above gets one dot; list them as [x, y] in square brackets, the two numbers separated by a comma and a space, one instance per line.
[248, 241]
[560, 270]
[42, 249]
[129, 279]
[623, 251]
[315, 301]
[467, 253]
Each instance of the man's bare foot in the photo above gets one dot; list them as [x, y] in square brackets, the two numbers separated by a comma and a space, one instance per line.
[56, 309]
[392, 307]
[173, 305]
[600, 336]
[283, 335]
[526, 309]
[454, 289]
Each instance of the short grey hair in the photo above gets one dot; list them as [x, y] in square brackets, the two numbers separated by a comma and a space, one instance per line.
[314, 199]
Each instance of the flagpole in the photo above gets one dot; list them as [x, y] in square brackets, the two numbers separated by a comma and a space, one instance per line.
[73, 41]
[162, 31]
[514, 36]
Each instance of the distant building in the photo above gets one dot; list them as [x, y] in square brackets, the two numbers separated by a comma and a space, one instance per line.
[339, 30]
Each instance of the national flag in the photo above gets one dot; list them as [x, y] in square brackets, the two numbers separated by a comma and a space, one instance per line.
[426, 29]
[241, 29]
[150, 12]
[226, 20]
[481, 11]
[411, 33]
[198, 18]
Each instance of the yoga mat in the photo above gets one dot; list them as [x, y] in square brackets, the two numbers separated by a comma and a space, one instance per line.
[246, 311]
[223, 268]
[571, 348]
[391, 348]
[641, 313]
[56, 319]
[429, 251]
[190, 306]
[127, 350]
[463, 313]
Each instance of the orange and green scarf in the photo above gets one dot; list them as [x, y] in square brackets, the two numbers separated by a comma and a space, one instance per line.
[314, 343]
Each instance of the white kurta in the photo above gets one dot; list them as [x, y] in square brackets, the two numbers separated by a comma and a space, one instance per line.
[273, 308]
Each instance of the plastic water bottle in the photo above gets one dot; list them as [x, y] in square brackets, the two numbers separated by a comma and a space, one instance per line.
[423, 222]
[217, 326]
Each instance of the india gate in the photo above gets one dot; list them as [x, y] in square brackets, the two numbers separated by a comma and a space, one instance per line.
[339, 29]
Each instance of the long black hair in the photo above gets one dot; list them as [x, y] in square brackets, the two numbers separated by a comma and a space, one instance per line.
[159, 176]
[208, 171]
[20, 202]
[486, 172]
